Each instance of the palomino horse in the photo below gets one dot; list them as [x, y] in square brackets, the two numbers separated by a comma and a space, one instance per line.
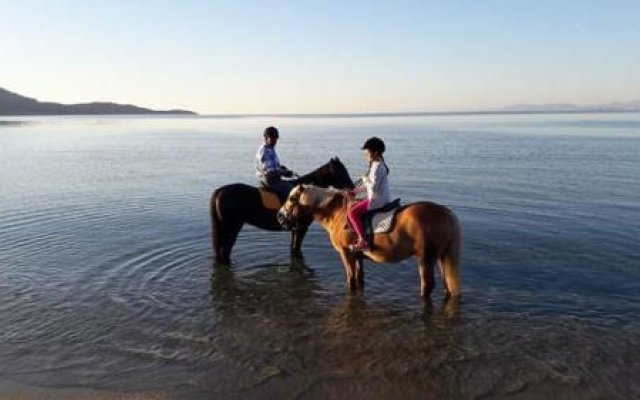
[426, 230]
[234, 205]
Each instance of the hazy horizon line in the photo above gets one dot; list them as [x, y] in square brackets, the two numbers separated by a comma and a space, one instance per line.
[409, 113]
[323, 115]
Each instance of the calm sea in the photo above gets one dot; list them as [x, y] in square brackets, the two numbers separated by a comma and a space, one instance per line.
[107, 280]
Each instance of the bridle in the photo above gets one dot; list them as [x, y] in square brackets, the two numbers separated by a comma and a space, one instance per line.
[285, 213]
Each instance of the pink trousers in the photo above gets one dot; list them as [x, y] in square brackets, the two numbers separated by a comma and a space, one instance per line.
[355, 216]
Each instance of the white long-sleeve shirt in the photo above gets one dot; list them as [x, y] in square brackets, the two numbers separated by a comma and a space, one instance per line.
[376, 185]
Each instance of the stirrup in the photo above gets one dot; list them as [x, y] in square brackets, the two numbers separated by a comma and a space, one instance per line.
[360, 246]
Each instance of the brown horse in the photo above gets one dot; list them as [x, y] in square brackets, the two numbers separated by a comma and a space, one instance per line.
[429, 231]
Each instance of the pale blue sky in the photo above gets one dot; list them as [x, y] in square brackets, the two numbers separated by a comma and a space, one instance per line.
[321, 56]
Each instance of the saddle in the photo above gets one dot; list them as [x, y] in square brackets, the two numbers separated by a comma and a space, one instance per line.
[269, 198]
[379, 220]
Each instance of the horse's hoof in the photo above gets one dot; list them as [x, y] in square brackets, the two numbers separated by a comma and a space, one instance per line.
[451, 307]
[222, 263]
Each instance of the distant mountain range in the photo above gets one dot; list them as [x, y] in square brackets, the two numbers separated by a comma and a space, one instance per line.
[15, 104]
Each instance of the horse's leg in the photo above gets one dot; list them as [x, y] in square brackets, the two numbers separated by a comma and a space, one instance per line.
[444, 279]
[450, 266]
[298, 265]
[215, 226]
[219, 239]
[450, 307]
[297, 236]
[349, 263]
[227, 235]
[427, 263]
[360, 272]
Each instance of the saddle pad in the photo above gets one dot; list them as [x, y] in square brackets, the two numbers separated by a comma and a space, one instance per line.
[382, 222]
[270, 200]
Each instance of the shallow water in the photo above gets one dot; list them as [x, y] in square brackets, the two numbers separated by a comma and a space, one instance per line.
[107, 281]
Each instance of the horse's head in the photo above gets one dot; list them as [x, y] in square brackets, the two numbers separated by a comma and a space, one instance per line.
[305, 200]
[297, 202]
[333, 173]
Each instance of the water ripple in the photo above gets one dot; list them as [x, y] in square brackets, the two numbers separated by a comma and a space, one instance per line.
[107, 278]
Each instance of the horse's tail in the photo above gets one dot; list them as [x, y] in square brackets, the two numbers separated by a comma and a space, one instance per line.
[450, 259]
[215, 222]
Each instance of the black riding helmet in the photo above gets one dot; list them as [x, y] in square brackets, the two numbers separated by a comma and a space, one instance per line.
[374, 144]
[271, 132]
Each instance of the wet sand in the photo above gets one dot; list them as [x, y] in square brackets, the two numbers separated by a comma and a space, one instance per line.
[11, 390]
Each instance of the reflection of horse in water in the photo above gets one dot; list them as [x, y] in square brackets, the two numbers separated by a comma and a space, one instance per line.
[382, 349]
[265, 286]
[426, 230]
[257, 315]
[236, 204]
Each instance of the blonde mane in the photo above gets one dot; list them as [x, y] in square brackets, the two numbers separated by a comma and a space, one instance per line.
[316, 196]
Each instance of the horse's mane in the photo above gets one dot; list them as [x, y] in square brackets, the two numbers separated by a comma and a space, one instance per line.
[326, 173]
[316, 196]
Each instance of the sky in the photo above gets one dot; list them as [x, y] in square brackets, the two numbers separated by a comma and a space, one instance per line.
[243, 57]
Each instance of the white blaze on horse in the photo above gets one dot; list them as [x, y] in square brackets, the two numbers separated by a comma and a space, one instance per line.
[426, 230]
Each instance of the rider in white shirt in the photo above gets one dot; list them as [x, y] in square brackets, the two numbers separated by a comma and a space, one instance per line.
[375, 183]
